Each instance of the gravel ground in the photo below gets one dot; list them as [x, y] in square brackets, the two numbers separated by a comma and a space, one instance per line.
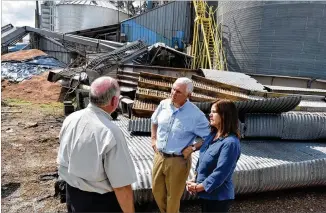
[300, 200]
[295, 200]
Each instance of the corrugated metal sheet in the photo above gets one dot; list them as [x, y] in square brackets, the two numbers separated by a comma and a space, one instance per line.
[302, 125]
[6, 28]
[234, 78]
[269, 105]
[263, 165]
[322, 134]
[55, 49]
[169, 23]
[263, 125]
[139, 125]
[204, 106]
[275, 38]
[287, 126]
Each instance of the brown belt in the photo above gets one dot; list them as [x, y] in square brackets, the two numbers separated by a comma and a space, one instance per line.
[169, 155]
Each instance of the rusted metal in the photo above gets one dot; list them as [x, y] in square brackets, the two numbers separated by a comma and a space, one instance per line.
[143, 108]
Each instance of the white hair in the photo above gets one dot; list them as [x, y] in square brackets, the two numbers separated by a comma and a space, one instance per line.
[186, 81]
[103, 89]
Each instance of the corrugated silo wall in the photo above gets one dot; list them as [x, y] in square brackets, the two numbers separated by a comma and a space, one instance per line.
[55, 50]
[169, 24]
[275, 38]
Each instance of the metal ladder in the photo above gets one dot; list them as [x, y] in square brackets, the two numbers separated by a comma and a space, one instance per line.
[207, 49]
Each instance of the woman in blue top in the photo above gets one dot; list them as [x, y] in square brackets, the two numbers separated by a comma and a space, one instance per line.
[218, 157]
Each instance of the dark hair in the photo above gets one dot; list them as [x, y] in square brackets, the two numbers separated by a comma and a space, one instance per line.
[229, 117]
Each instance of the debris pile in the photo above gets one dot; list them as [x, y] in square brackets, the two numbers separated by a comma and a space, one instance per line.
[24, 64]
[22, 55]
[36, 90]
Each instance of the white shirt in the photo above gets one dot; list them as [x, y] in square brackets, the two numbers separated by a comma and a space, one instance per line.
[93, 154]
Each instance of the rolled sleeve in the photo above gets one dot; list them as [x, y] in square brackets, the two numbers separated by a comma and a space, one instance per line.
[156, 113]
[202, 126]
[119, 167]
[228, 157]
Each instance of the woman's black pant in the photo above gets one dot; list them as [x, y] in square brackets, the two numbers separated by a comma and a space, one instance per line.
[215, 205]
[82, 201]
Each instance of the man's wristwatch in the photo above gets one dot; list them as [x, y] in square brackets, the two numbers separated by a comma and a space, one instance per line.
[193, 148]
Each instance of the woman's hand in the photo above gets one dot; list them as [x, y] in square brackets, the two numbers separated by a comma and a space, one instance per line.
[189, 187]
[193, 187]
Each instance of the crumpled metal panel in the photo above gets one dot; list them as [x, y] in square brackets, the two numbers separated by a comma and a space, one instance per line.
[263, 165]
[12, 35]
[263, 125]
[234, 78]
[311, 106]
[302, 125]
[297, 90]
[18, 72]
[106, 60]
[274, 165]
[230, 94]
[6, 28]
[269, 105]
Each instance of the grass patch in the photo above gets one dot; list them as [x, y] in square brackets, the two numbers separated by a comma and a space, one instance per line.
[17, 102]
[53, 108]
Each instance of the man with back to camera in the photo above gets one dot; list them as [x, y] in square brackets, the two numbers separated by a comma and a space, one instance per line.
[175, 124]
[92, 152]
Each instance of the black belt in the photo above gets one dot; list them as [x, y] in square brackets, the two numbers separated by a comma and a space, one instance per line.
[169, 155]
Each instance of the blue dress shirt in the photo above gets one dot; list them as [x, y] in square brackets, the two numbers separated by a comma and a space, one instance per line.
[178, 127]
[216, 164]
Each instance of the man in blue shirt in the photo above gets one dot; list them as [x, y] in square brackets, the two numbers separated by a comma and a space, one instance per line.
[175, 124]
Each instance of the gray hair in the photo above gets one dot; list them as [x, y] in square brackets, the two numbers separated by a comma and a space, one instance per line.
[103, 89]
[186, 81]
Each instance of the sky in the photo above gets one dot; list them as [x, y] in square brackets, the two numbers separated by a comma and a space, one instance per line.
[18, 13]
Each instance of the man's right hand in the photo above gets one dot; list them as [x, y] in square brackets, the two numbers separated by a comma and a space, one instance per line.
[154, 145]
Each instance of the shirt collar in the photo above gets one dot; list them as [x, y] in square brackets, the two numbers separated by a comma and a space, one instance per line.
[218, 139]
[180, 108]
[93, 107]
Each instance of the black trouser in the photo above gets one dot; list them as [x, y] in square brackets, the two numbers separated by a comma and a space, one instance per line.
[215, 205]
[82, 201]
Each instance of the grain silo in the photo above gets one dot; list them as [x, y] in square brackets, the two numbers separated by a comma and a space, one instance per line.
[79, 15]
[275, 38]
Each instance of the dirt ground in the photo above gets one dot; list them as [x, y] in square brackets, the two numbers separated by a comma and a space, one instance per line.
[30, 124]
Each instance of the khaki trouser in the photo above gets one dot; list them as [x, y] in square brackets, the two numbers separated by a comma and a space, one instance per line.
[169, 181]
